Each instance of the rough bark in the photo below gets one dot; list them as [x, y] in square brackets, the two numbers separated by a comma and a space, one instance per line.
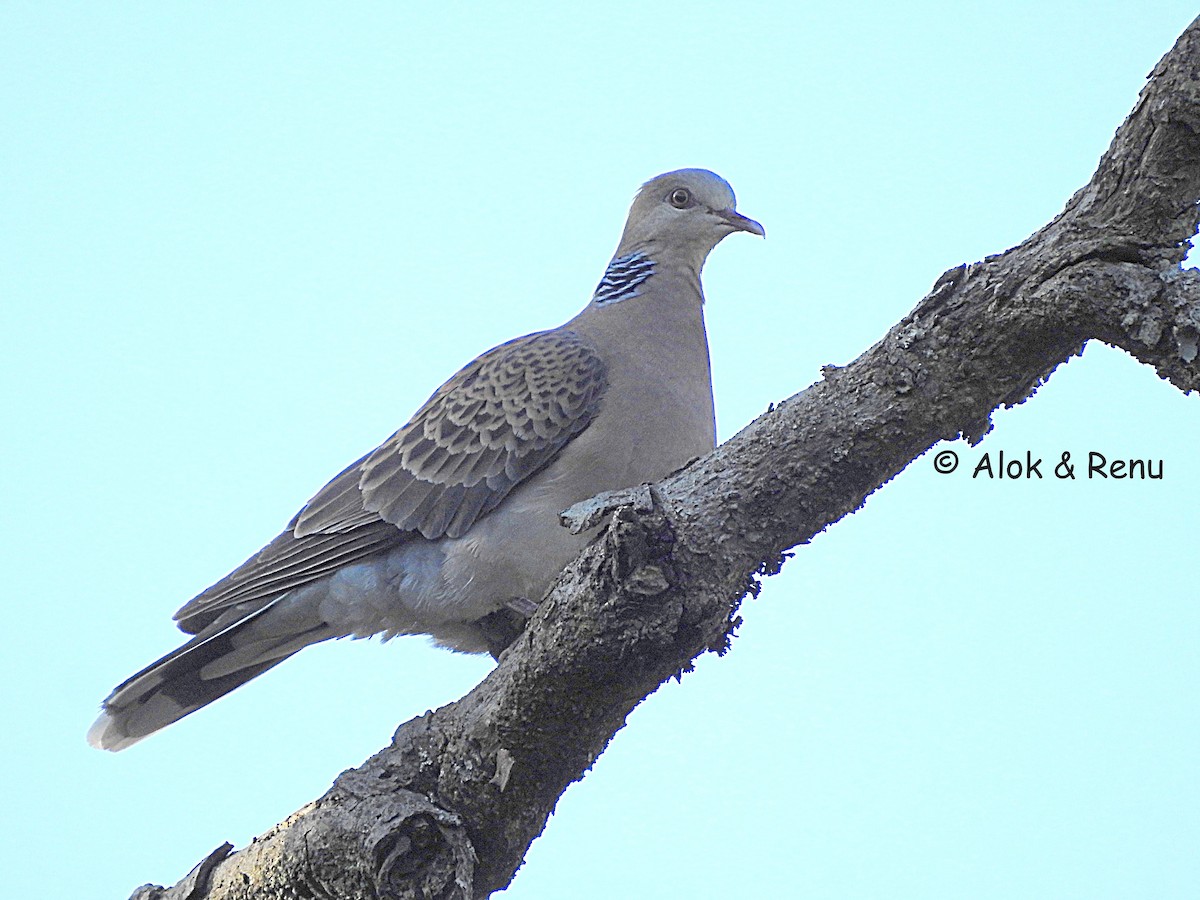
[450, 807]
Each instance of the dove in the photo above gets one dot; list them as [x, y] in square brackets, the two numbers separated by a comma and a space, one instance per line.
[450, 528]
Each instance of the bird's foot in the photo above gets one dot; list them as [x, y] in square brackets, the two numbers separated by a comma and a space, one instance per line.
[502, 627]
[521, 606]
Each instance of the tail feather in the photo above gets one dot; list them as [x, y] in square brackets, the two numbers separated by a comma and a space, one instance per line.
[222, 657]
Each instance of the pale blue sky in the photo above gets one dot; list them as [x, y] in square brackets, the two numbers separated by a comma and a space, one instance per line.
[244, 241]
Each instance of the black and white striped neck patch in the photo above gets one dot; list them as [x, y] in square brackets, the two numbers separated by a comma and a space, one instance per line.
[623, 278]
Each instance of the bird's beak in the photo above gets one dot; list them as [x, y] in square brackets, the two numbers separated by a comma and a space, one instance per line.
[738, 222]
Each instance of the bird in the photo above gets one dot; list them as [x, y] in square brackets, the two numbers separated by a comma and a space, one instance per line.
[450, 527]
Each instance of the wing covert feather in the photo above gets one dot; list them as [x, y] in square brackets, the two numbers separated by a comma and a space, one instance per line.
[487, 429]
[493, 424]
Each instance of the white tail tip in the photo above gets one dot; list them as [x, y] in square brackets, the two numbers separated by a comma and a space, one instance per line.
[106, 735]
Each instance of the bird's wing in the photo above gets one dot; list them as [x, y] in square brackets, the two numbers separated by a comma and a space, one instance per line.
[492, 425]
[285, 563]
[482, 433]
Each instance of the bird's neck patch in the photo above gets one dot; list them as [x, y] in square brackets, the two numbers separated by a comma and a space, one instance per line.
[623, 278]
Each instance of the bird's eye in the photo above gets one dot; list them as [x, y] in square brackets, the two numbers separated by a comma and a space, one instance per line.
[680, 198]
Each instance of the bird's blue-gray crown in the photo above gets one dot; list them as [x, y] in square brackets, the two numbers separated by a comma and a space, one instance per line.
[677, 217]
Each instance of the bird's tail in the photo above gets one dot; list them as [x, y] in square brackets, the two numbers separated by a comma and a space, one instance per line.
[220, 658]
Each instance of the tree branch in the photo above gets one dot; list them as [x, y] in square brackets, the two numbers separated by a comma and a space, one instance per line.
[449, 809]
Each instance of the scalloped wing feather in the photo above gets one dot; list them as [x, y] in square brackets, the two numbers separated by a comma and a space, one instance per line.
[496, 422]
[487, 429]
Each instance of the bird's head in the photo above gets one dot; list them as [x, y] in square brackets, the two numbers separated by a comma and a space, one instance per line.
[686, 212]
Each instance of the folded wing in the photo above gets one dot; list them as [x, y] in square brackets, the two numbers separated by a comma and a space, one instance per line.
[493, 424]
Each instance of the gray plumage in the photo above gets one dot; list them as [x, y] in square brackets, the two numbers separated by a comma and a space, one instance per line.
[454, 518]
